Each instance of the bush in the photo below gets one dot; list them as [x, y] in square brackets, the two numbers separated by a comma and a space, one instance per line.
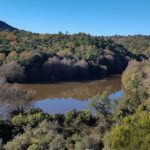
[15, 94]
[2, 58]
[136, 82]
[12, 72]
[43, 137]
[102, 104]
[132, 133]
[25, 57]
[67, 68]
[13, 56]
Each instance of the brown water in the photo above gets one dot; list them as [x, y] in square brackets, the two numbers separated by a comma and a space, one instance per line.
[66, 96]
[76, 90]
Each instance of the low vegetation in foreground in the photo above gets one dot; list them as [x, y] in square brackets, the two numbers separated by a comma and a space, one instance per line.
[122, 124]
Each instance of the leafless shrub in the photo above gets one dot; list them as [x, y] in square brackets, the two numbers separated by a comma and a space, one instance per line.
[54, 60]
[58, 69]
[81, 70]
[12, 72]
[15, 92]
[82, 64]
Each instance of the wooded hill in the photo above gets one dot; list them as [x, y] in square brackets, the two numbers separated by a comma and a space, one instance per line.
[61, 57]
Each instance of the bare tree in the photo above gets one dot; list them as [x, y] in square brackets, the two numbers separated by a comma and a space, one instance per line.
[12, 72]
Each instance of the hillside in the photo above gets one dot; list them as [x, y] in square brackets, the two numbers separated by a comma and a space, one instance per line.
[138, 44]
[61, 57]
[5, 27]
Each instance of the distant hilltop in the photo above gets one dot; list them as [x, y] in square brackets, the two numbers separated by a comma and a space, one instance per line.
[5, 27]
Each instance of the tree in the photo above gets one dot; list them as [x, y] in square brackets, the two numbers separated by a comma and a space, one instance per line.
[12, 72]
[2, 58]
[13, 56]
[102, 104]
[132, 133]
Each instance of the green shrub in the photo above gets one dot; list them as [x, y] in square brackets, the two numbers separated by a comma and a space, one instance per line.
[132, 133]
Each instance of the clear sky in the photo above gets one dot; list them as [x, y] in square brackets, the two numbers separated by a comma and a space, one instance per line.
[97, 17]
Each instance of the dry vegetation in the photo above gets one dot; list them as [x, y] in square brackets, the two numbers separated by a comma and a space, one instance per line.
[13, 93]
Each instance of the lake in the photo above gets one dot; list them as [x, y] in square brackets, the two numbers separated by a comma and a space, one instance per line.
[65, 96]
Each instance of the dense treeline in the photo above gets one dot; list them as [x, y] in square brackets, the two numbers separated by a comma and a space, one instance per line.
[40, 131]
[132, 111]
[59, 57]
[119, 124]
[138, 44]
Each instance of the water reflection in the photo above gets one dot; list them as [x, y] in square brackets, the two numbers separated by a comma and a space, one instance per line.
[62, 105]
[7, 108]
[116, 95]
[76, 90]
[63, 97]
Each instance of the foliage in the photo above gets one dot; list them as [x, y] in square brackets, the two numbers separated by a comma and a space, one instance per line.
[102, 104]
[12, 56]
[89, 56]
[132, 133]
[37, 130]
[2, 58]
[138, 44]
[131, 112]
[122, 124]
[136, 81]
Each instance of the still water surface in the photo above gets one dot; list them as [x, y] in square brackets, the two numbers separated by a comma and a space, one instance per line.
[66, 96]
[77, 90]
[63, 97]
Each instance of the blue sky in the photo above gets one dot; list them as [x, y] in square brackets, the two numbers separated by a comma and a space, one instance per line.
[97, 17]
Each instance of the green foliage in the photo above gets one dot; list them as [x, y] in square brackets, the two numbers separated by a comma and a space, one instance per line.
[25, 56]
[136, 81]
[138, 44]
[2, 58]
[13, 56]
[102, 104]
[132, 133]
[131, 112]
[29, 57]
[26, 119]
[37, 130]
[32, 51]
[88, 143]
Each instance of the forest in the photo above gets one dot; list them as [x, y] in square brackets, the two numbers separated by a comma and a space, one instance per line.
[120, 124]
[44, 57]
